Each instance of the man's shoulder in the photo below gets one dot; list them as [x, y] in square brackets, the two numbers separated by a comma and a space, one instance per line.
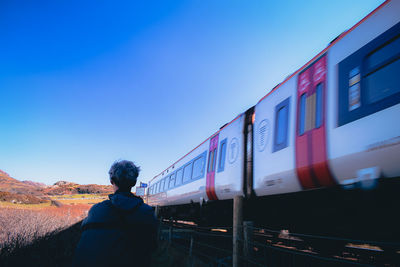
[104, 205]
[146, 213]
[146, 208]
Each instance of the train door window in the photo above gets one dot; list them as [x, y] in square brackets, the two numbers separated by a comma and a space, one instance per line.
[198, 167]
[157, 188]
[369, 79]
[179, 176]
[222, 155]
[187, 172]
[319, 107]
[172, 180]
[281, 125]
[302, 117]
[211, 160]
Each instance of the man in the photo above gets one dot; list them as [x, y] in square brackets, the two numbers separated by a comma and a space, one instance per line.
[120, 231]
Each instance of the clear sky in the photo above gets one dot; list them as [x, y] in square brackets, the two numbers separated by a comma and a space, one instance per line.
[84, 83]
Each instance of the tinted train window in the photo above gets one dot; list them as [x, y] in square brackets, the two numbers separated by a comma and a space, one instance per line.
[172, 180]
[222, 155]
[369, 79]
[162, 185]
[383, 82]
[187, 173]
[211, 161]
[179, 176]
[302, 118]
[281, 125]
[383, 54]
[198, 167]
[166, 183]
[318, 111]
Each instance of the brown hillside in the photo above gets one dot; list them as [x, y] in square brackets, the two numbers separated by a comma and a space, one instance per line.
[37, 184]
[9, 184]
[63, 188]
[20, 198]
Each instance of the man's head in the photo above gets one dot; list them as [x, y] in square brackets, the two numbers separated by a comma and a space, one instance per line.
[123, 174]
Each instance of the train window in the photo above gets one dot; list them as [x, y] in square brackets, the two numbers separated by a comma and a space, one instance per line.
[187, 172]
[162, 184]
[302, 117]
[383, 83]
[198, 167]
[368, 78]
[319, 108]
[179, 175]
[157, 188]
[222, 155]
[384, 54]
[166, 183]
[172, 180]
[281, 125]
[211, 161]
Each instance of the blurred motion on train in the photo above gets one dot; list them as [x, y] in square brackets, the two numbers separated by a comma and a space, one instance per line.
[320, 153]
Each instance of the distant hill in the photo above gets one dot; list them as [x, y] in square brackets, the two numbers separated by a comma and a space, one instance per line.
[12, 185]
[20, 198]
[63, 187]
[37, 184]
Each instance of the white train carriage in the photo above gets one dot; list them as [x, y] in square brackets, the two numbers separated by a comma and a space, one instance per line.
[363, 130]
[336, 119]
[211, 171]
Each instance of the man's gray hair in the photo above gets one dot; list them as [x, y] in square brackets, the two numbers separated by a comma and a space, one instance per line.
[124, 174]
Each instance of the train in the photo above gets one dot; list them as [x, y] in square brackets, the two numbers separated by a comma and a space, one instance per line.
[320, 153]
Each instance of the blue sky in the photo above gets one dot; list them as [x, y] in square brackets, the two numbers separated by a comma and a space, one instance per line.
[84, 83]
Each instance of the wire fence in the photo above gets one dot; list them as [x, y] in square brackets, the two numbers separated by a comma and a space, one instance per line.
[263, 247]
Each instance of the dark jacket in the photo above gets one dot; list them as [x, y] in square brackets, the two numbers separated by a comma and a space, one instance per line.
[120, 231]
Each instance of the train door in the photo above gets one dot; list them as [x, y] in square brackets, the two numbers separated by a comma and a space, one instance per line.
[212, 159]
[311, 156]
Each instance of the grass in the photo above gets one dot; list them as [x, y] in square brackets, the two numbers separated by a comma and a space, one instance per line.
[4, 204]
[74, 196]
[88, 199]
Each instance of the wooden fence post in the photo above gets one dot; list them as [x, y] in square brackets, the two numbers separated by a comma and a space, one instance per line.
[170, 235]
[248, 228]
[237, 230]
[191, 246]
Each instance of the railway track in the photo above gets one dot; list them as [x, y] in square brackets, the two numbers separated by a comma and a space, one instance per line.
[267, 247]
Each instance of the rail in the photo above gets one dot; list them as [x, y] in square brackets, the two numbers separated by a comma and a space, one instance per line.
[267, 247]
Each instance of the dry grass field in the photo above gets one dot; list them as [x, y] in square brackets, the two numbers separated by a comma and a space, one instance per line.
[22, 224]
